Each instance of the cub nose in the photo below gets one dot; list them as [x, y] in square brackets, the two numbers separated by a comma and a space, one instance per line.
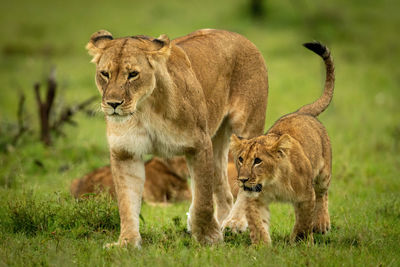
[114, 104]
[243, 179]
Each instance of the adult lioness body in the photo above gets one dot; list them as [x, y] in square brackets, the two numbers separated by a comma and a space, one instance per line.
[183, 97]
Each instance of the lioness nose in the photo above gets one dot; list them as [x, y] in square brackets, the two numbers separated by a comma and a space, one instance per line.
[114, 104]
[243, 179]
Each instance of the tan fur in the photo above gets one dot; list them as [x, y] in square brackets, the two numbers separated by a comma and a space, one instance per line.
[166, 181]
[232, 176]
[180, 97]
[97, 181]
[292, 163]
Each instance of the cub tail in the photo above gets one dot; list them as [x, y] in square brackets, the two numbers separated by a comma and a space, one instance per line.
[317, 107]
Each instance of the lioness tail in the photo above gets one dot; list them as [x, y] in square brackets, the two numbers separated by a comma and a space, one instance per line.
[317, 107]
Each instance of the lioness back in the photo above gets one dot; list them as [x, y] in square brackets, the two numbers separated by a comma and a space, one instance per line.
[225, 63]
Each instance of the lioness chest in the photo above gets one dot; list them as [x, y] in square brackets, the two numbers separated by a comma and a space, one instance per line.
[140, 137]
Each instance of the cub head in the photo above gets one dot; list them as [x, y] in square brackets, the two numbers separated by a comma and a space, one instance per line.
[260, 161]
[126, 70]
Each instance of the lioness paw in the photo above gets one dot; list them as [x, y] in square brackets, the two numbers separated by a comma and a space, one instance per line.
[213, 236]
[209, 233]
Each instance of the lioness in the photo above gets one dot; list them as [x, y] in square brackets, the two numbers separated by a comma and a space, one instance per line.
[180, 97]
[166, 181]
[291, 162]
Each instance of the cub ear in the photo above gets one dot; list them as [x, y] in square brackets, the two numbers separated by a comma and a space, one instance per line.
[236, 143]
[97, 42]
[283, 145]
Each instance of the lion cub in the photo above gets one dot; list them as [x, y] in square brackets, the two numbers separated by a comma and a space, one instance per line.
[291, 163]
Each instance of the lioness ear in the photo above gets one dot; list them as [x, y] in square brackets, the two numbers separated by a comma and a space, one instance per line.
[283, 145]
[97, 42]
[236, 143]
[163, 45]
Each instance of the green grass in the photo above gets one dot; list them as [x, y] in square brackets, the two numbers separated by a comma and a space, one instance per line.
[40, 224]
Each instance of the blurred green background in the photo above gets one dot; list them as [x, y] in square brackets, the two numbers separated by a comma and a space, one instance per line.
[363, 120]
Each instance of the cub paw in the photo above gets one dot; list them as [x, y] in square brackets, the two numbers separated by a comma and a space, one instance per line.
[321, 226]
[124, 243]
[260, 238]
[236, 225]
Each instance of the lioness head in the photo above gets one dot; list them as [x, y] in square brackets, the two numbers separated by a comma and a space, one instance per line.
[260, 160]
[126, 70]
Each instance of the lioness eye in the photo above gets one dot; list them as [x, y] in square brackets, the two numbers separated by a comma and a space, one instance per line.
[240, 159]
[133, 74]
[105, 74]
[257, 161]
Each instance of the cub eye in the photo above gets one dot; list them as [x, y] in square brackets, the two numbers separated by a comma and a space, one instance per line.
[240, 159]
[133, 74]
[105, 74]
[257, 161]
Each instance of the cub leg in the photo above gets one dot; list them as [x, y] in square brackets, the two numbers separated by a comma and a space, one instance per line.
[303, 227]
[258, 218]
[129, 177]
[201, 220]
[322, 222]
[236, 221]
[321, 217]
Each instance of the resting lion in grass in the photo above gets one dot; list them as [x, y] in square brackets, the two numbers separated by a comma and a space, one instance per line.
[181, 97]
[292, 163]
[166, 181]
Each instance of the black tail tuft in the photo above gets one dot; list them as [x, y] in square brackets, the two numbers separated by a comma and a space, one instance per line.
[318, 48]
[318, 106]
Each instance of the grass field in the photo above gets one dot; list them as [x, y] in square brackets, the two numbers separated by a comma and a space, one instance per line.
[40, 224]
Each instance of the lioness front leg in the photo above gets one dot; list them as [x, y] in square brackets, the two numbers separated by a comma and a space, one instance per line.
[128, 176]
[259, 226]
[201, 220]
